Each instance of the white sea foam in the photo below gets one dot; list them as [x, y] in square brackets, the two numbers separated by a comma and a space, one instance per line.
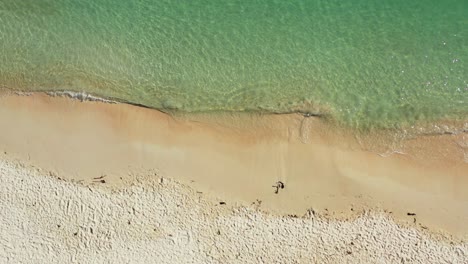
[82, 96]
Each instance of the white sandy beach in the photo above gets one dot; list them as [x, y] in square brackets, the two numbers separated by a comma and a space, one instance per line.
[81, 182]
[45, 220]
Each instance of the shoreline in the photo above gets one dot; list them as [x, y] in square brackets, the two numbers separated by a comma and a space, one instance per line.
[422, 128]
[240, 157]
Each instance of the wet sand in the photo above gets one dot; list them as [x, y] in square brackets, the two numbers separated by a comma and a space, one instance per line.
[420, 182]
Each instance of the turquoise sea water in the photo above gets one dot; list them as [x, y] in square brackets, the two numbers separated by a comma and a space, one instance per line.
[379, 63]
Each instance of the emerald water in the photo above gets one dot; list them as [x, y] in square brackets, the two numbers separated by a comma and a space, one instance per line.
[379, 63]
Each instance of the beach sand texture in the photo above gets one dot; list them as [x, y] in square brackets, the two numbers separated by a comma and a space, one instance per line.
[110, 157]
[46, 220]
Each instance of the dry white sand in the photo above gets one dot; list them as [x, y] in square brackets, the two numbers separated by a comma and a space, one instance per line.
[46, 220]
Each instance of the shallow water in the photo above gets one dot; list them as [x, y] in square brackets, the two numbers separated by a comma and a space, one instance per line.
[366, 63]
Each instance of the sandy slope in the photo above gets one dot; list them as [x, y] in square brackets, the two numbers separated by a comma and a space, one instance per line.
[157, 220]
[240, 158]
[98, 196]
